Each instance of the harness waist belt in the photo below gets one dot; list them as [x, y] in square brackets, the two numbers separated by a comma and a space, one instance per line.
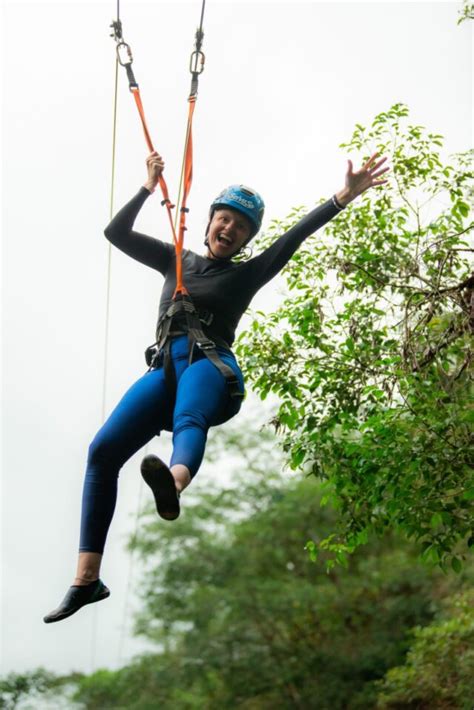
[196, 337]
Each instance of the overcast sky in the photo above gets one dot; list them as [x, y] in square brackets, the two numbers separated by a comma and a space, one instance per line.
[283, 86]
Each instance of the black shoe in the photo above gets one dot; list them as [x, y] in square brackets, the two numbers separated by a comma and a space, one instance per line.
[77, 597]
[160, 479]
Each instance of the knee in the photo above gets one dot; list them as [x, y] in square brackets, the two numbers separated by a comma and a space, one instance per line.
[102, 452]
[190, 420]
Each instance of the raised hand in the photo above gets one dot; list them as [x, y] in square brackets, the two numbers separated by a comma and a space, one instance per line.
[155, 167]
[361, 180]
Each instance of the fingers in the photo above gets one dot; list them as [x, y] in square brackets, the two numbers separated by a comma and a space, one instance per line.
[155, 164]
[154, 158]
[380, 172]
[377, 165]
[369, 164]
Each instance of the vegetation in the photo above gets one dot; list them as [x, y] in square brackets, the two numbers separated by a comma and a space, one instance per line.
[466, 12]
[242, 618]
[439, 671]
[371, 352]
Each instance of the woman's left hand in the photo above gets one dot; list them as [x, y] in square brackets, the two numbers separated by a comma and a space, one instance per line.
[359, 181]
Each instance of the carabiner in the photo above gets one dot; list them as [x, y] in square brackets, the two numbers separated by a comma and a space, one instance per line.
[127, 50]
[196, 57]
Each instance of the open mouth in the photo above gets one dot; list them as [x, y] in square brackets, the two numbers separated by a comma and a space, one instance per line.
[225, 241]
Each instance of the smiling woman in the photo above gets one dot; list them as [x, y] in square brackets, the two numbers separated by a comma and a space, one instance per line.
[235, 217]
[194, 381]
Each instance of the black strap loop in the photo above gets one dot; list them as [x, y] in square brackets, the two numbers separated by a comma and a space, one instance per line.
[196, 338]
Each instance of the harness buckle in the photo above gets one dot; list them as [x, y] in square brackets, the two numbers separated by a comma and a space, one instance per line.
[206, 317]
[205, 344]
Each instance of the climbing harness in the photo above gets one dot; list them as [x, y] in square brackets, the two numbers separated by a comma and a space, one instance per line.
[182, 304]
[159, 352]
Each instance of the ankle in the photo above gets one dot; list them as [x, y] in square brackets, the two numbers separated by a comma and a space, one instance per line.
[181, 475]
[84, 581]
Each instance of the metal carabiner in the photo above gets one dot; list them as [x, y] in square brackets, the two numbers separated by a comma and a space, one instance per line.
[128, 51]
[196, 57]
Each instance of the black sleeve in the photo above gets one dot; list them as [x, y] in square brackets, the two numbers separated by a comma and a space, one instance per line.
[271, 261]
[149, 251]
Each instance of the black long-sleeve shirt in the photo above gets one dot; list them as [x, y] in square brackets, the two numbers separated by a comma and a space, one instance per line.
[223, 288]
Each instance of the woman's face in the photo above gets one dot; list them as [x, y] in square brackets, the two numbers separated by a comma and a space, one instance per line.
[228, 231]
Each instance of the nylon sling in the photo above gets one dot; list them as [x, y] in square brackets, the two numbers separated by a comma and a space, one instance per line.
[182, 301]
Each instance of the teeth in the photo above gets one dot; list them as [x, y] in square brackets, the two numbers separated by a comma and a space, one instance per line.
[226, 241]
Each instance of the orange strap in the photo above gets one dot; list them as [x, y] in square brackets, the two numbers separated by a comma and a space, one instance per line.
[187, 182]
[178, 242]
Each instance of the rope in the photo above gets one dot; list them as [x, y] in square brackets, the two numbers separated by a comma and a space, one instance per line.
[130, 571]
[107, 316]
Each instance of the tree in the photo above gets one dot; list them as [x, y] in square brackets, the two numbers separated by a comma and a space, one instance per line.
[241, 618]
[467, 12]
[244, 619]
[371, 352]
[439, 669]
[15, 688]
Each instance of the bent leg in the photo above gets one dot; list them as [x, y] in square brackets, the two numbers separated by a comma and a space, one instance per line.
[202, 401]
[140, 414]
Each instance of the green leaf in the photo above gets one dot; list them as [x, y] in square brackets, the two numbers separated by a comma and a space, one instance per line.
[436, 520]
[456, 564]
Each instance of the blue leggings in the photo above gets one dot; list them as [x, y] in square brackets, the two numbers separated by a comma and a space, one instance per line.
[202, 401]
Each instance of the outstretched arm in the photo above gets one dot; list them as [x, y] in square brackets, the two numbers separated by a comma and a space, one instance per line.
[272, 260]
[149, 251]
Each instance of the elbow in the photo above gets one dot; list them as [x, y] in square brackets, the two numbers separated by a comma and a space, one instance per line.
[108, 233]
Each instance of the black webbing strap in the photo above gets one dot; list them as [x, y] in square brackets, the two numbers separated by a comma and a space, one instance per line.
[196, 337]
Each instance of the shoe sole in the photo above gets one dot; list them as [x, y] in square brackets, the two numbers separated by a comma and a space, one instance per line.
[103, 595]
[159, 478]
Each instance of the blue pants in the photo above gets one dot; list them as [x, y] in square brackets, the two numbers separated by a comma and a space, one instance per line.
[202, 400]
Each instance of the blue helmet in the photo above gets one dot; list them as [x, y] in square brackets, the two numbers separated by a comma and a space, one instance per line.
[244, 200]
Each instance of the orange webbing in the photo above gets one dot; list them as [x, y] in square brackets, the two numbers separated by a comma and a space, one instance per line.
[187, 182]
[178, 243]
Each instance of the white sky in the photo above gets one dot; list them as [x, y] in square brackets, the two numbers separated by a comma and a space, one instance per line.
[284, 84]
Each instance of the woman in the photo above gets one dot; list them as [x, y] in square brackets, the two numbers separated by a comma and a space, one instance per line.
[187, 389]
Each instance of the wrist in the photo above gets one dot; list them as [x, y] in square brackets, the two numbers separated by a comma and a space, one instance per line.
[343, 197]
[149, 186]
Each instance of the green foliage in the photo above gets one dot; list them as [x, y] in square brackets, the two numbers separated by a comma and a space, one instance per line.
[467, 12]
[22, 688]
[439, 670]
[371, 352]
[244, 619]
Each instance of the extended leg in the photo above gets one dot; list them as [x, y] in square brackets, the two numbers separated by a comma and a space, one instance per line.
[139, 415]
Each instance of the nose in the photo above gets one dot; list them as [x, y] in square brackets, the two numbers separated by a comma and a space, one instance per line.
[230, 226]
